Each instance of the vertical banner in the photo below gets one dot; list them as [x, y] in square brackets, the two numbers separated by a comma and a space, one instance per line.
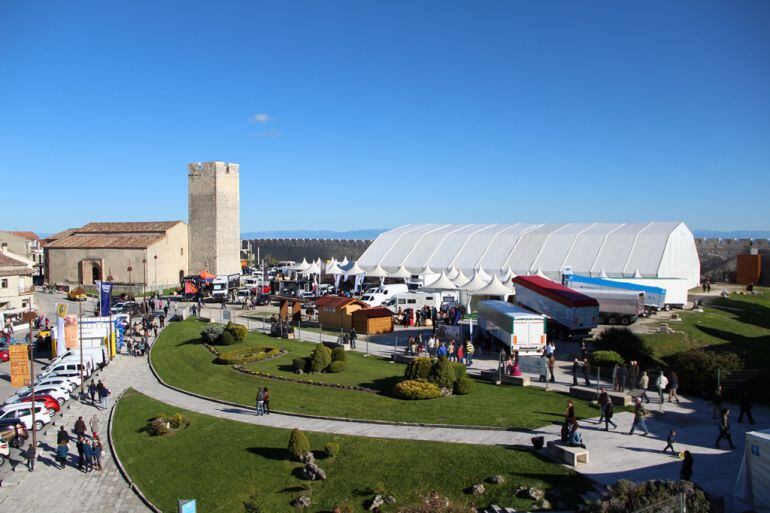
[19, 356]
[61, 313]
[105, 298]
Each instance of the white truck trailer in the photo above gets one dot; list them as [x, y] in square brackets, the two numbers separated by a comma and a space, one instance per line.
[522, 330]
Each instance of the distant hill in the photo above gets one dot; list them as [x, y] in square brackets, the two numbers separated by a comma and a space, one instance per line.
[366, 234]
[735, 234]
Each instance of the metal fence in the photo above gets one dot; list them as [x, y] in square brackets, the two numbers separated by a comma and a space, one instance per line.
[673, 505]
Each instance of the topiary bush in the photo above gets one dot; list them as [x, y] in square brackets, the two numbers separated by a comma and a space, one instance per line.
[605, 359]
[626, 496]
[419, 368]
[320, 358]
[239, 331]
[457, 370]
[417, 389]
[211, 333]
[442, 374]
[337, 366]
[332, 449]
[299, 365]
[463, 386]
[627, 344]
[339, 355]
[226, 339]
[697, 369]
[298, 443]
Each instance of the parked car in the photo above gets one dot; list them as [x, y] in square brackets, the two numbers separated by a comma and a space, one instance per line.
[13, 430]
[5, 451]
[72, 375]
[23, 412]
[70, 383]
[51, 404]
[59, 393]
[4, 354]
[76, 295]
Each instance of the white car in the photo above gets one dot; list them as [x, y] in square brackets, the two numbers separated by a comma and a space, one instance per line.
[60, 394]
[5, 450]
[23, 411]
[71, 384]
[71, 375]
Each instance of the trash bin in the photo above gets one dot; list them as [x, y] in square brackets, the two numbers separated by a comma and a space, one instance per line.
[538, 442]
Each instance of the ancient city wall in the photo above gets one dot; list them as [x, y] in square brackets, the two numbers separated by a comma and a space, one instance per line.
[297, 249]
[717, 257]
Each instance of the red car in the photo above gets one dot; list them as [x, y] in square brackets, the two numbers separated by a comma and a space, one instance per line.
[51, 404]
[4, 354]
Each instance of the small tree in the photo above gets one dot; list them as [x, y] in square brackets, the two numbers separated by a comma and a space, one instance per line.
[320, 358]
[441, 374]
[298, 443]
[419, 368]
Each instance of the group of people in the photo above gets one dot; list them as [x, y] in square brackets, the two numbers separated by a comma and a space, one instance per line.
[89, 448]
[461, 352]
[263, 401]
[99, 390]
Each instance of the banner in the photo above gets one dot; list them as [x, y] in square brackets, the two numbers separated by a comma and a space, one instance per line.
[19, 356]
[105, 298]
[61, 309]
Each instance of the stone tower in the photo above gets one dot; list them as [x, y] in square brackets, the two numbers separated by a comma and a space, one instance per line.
[214, 217]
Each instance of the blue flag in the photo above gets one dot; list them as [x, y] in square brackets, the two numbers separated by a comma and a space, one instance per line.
[105, 298]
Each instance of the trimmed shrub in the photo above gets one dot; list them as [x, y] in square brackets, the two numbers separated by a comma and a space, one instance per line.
[337, 366]
[606, 359]
[463, 386]
[338, 354]
[299, 365]
[211, 333]
[441, 374]
[226, 339]
[458, 370]
[417, 389]
[239, 331]
[419, 368]
[628, 496]
[298, 443]
[627, 344]
[697, 369]
[320, 358]
[332, 449]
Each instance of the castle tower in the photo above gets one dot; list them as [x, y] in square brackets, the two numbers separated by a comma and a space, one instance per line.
[214, 217]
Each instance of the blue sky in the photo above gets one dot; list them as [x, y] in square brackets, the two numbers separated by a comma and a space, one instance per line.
[356, 114]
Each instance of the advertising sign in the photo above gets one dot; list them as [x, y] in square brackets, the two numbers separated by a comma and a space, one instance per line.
[19, 357]
[105, 297]
[95, 327]
[61, 309]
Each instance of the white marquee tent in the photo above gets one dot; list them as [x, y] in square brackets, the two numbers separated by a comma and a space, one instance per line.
[663, 253]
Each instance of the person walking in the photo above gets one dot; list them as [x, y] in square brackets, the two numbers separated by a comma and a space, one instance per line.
[98, 449]
[608, 412]
[266, 399]
[586, 372]
[353, 337]
[80, 427]
[30, 454]
[673, 385]
[94, 425]
[62, 446]
[670, 440]
[103, 394]
[639, 422]
[686, 473]
[569, 415]
[260, 401]
[79, 445]
[661, 383]
[575, 369]
[644, 382]
[88, 455]
[92, 391]
[551, 364]
[602, 400]
[745, 407]
[724, 429]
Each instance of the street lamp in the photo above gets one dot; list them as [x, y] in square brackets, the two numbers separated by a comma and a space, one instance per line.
[129, 276]
[32, 388]
[155, 258]
[144, 281]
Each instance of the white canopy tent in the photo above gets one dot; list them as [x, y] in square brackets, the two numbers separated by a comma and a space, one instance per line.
[461, 279]
[442, 283]
[401, 272]
[480, 280]
[333, 268]
[752, 485]
[494, 288]
[300, 267]
[378, 272]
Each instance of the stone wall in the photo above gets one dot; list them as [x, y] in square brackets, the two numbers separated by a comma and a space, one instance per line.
[310, 249]
[718, 257]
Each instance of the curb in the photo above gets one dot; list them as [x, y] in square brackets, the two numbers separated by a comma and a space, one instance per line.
[320, 417]
[133, 486]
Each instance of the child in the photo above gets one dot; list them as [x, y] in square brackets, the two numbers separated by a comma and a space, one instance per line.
[670, 442]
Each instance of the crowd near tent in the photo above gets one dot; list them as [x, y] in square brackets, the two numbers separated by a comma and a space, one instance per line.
[650, 253]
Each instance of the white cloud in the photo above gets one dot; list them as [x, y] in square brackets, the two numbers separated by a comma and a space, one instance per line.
[260, 118]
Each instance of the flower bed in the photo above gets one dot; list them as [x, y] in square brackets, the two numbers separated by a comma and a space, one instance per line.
[267, 375]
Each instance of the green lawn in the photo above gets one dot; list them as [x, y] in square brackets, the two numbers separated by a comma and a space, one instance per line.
[222, 463]
[740, 323]
[183, 362]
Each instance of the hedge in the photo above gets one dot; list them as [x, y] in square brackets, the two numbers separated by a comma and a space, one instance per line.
[419, 368]
[697, 370]
[627, 344]
[337, 366]
[463, 386]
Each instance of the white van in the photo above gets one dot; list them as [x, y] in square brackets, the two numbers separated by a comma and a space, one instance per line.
[69, 365]
[383, 293]
[95, 355]
[417, 300]
[23, 411]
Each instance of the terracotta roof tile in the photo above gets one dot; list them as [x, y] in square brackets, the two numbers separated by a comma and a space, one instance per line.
[336, 302]
[25, 235]
[150, 226]
[105, 241]
[370, 313]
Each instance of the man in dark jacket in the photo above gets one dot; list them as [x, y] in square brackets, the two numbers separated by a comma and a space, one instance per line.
[353, 337]
[746, 407]
[724, 429]
[81, 457]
